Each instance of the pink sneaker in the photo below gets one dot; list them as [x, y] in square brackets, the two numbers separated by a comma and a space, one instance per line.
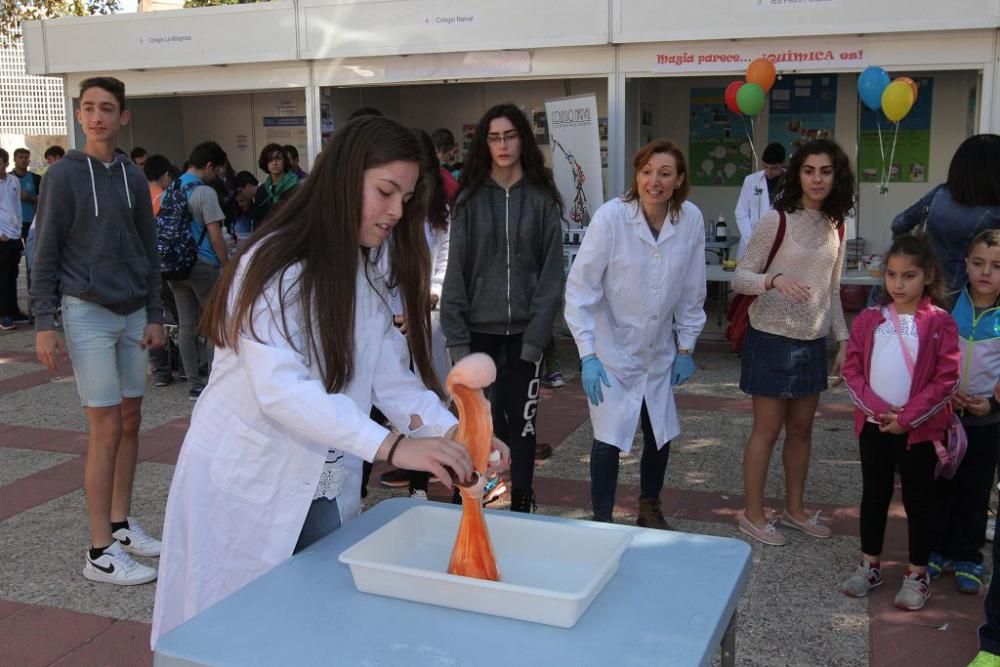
[766, 533]
[810, 526]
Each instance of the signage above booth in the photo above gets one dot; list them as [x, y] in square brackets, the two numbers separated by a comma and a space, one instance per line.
[348, 28]
[836, 54]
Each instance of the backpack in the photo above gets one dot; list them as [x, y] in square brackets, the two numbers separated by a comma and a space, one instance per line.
[951, 451]
[177, 248]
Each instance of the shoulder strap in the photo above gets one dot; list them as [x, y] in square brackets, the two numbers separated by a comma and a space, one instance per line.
[778, 238]
[906, 351]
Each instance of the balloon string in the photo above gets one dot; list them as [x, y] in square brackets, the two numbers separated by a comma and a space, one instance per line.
[749, 133]
[881, 149]
[892, 156]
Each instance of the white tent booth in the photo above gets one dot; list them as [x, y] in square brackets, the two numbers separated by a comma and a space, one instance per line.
[674, 88]
[289, 71]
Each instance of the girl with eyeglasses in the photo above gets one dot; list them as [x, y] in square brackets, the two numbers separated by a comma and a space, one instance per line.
[504, 283]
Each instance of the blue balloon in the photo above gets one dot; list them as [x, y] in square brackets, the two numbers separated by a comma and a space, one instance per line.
[871, 83]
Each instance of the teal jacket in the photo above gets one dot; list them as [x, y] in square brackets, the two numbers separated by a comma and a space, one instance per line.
[979, 342]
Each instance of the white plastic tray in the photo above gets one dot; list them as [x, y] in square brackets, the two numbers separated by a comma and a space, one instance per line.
[550, 573]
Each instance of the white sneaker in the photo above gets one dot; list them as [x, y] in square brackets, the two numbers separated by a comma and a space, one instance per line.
[991, 527]
[117, 567]
[419, 493]
[137, 541]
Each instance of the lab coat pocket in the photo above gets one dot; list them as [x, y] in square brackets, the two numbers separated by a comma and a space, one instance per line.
[244, 464]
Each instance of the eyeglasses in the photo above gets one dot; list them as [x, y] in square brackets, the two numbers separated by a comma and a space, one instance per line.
[506, 138]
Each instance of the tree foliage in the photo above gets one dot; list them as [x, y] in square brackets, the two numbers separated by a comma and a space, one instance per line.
[14, 12]
[213, 3]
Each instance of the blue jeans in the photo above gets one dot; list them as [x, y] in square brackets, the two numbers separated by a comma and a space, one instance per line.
[106, 351]
[323, 519]
[604, 470]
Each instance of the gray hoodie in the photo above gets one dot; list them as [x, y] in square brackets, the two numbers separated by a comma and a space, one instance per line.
[96, 239]
[505, 268]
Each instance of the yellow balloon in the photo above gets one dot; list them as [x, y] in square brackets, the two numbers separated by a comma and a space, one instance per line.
[897, 100]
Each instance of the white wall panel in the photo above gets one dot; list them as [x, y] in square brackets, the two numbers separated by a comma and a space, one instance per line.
[332, 28]
[658, 21]
[264, 32]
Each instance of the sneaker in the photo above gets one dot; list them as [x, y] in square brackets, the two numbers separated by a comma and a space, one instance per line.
[985, 659]
[766, 533]
[195, 392]
[137, 541]
[969, 577]
[116, 567]
[554, 380]
[7, 323]
[864, 579]
[991, 528]
[938, 565]
[162, 379]
[493, 490]
[419, 494]
[395, 479]
[810, 526]
[914, 592]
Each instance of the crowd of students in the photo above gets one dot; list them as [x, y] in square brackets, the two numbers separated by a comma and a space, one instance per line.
[343, 297]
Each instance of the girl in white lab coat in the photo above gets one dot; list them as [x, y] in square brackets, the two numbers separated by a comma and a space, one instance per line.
[635, 305]
[305, 347]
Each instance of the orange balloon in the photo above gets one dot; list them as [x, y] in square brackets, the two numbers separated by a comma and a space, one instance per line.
[761, 71]
[912, 84]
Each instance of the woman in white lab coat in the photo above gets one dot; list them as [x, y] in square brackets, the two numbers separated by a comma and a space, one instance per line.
[635, 304]
[305, 347]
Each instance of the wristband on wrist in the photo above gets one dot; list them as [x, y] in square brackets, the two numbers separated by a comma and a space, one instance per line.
[392, 450]
[775, 277]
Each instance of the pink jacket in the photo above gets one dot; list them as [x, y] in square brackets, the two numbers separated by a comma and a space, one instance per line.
[936, 372]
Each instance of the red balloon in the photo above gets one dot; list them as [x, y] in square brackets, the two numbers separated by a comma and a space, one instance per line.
[731, 91]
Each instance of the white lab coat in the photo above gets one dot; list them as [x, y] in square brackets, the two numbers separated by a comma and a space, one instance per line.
[627, 296]
[258, 442]
[752, 205]
[437, 242]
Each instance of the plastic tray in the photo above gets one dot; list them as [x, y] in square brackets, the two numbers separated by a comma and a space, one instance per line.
[550, 573]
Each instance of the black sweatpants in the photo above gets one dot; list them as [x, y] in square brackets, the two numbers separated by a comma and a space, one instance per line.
[514, 399]
[880, 454]
[962, 502]
[10, 259]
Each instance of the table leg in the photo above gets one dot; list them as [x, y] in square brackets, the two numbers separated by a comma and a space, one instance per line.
[729, 643]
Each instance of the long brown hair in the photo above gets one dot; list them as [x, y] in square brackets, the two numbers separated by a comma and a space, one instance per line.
[646, 154]
[924, 257]
[840, 202]
[319, 229]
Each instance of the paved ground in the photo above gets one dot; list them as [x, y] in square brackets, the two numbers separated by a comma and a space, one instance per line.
[791, 613]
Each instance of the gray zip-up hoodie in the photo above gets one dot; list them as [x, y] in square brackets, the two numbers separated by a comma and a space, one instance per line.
[96, 239]
[505, 268]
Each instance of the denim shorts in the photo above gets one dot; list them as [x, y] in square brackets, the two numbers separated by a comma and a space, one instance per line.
[108, 360]
[780, 367]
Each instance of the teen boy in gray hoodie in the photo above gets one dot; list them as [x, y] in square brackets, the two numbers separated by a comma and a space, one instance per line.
[97, 246]
[504, 283]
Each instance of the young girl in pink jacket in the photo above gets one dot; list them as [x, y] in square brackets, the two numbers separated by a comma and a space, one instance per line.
[902, 370]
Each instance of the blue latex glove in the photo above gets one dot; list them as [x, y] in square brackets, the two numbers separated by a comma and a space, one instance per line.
[683, 369]
[592, 375]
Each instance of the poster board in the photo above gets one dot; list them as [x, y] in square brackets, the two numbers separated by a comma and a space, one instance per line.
[802, 108]
[576, 156]
[719, 152]
[910, 162]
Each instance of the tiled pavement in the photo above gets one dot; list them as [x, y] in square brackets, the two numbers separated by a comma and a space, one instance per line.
[791, 614]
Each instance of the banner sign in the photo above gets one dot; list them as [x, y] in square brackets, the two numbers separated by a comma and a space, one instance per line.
[844, 53]
[803, 108]
[719, 151]
[576, 155]
[912, 154]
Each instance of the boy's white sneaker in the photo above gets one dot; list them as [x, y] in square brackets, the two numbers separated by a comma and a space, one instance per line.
[116, 567]
[137, 541]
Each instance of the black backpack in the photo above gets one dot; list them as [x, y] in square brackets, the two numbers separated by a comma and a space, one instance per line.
[177, 248]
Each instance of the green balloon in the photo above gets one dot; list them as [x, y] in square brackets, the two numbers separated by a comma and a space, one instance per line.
[750, 99]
